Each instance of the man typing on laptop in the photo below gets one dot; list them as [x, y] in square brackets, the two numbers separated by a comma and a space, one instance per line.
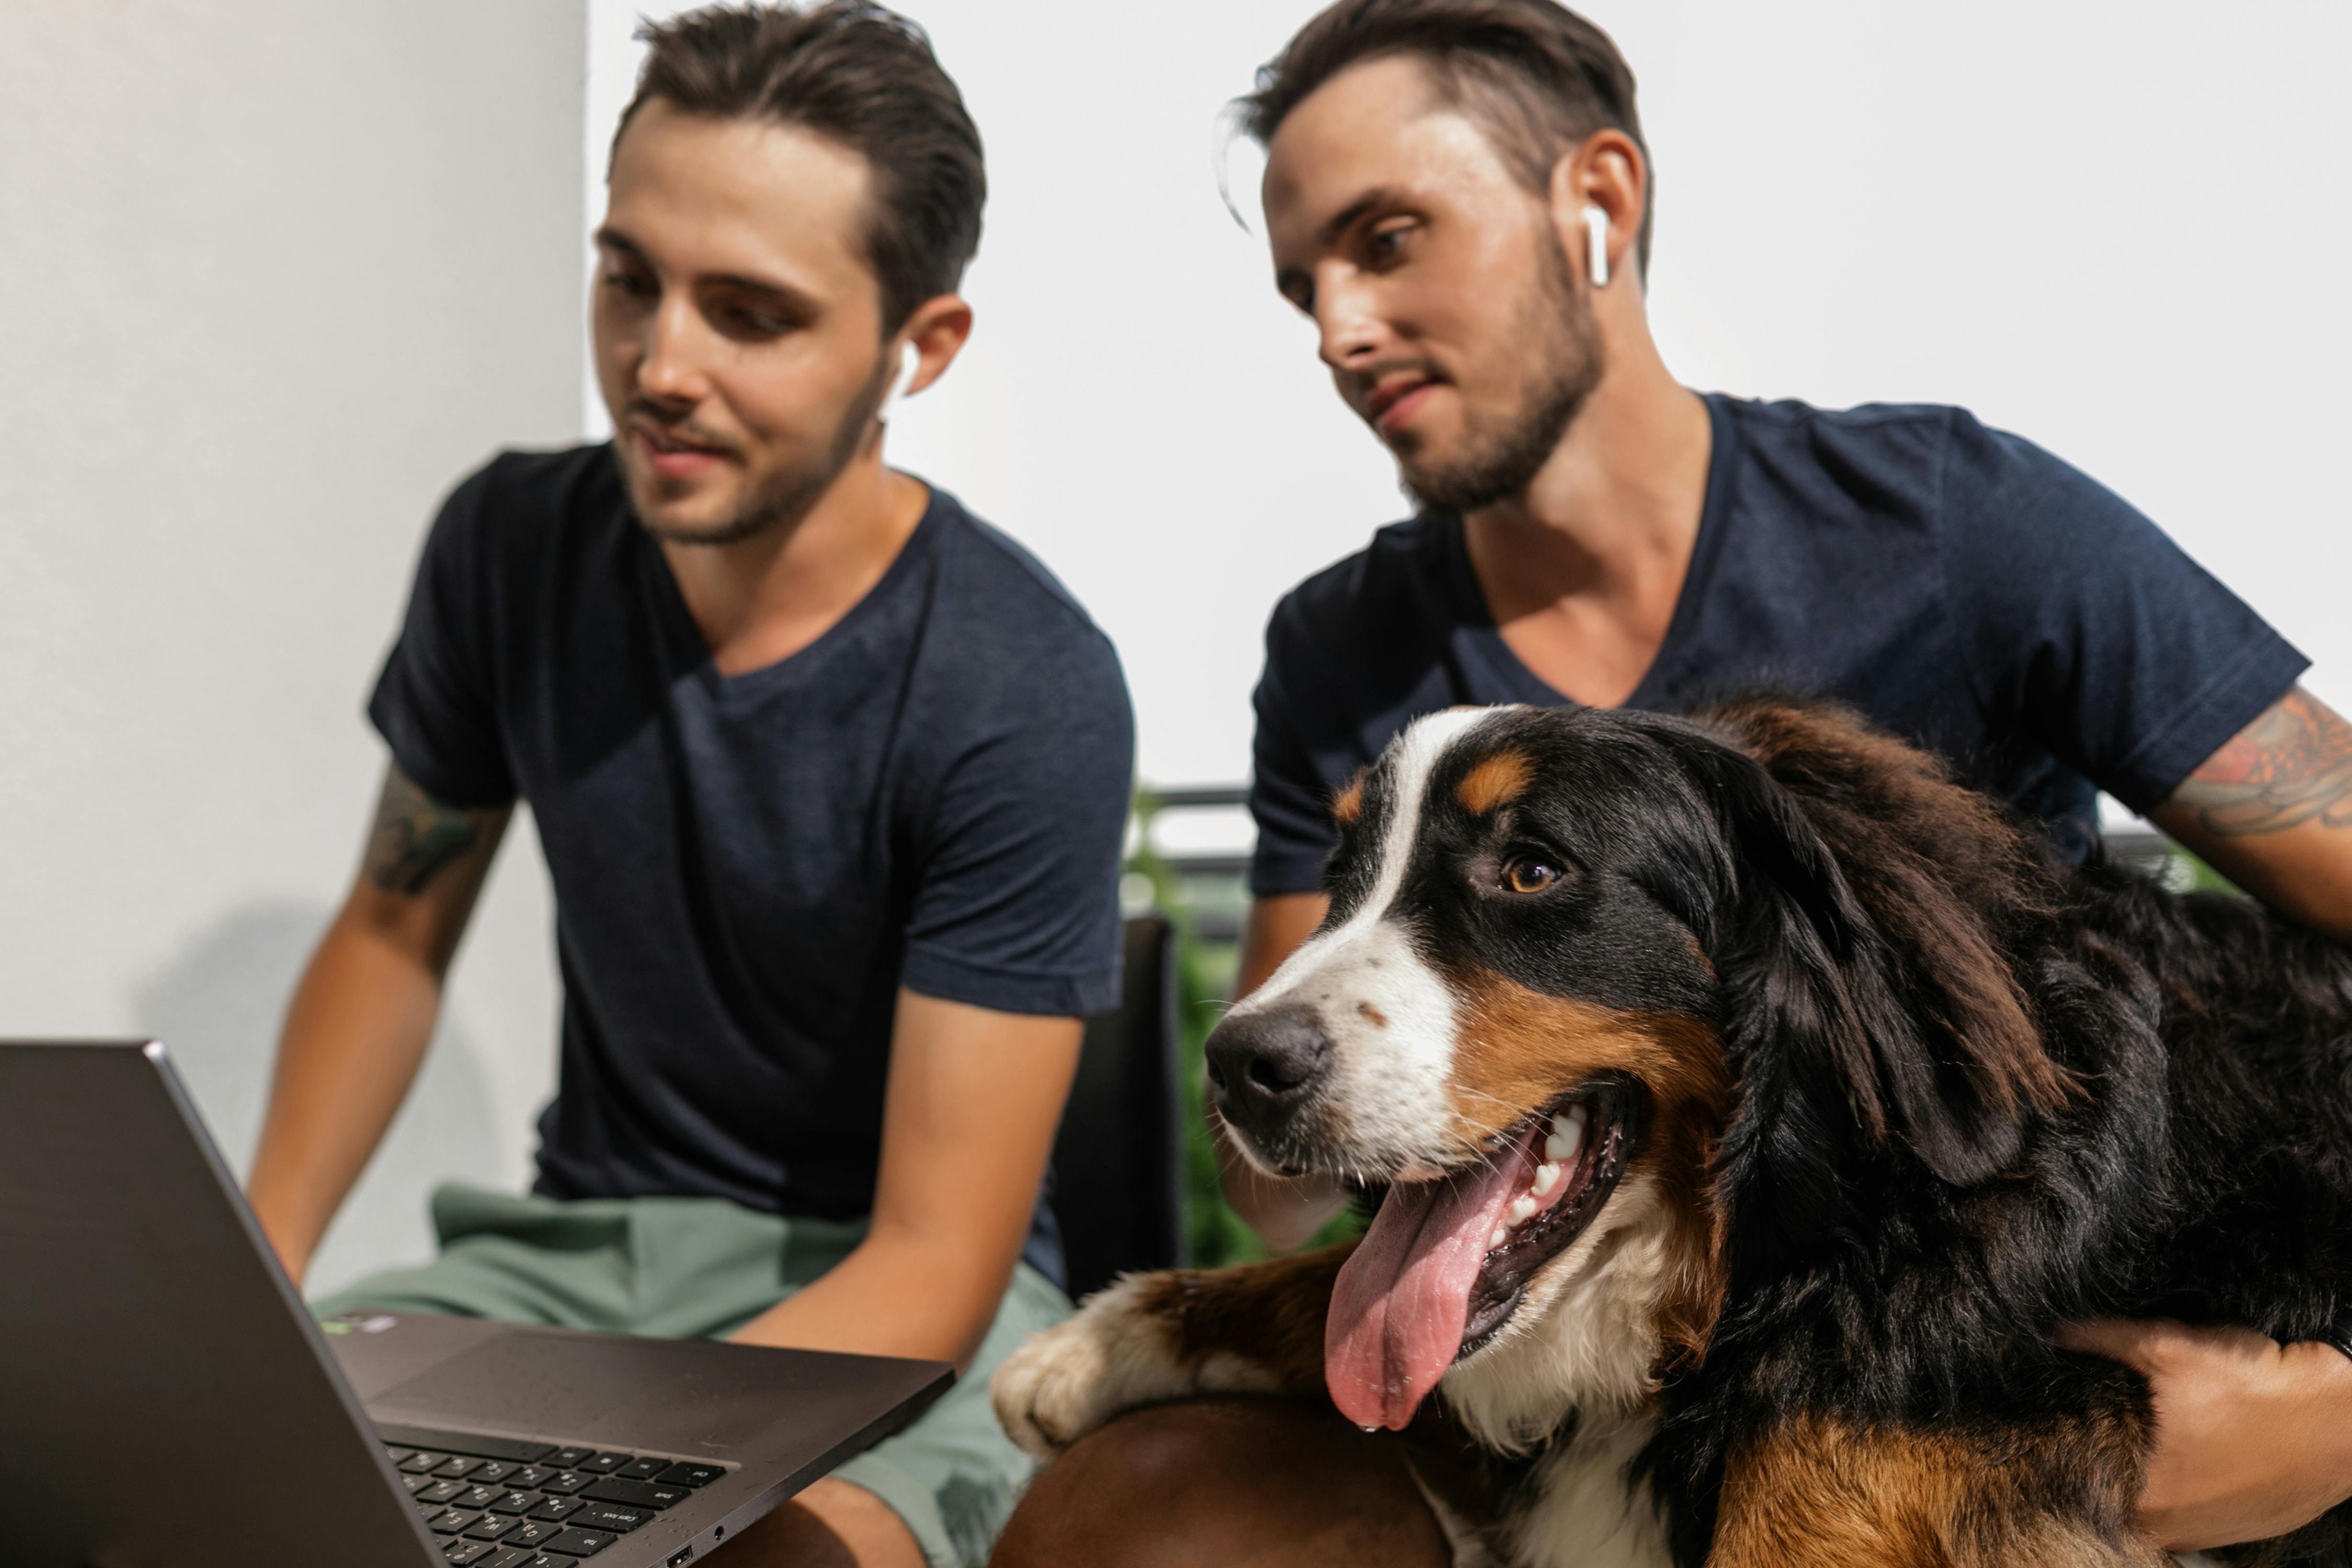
[830, 778]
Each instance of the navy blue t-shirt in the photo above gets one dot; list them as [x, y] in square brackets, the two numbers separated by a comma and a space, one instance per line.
[747, 869]
[1961, 587]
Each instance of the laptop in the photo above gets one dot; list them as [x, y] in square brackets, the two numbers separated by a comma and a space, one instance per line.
[166, 1399]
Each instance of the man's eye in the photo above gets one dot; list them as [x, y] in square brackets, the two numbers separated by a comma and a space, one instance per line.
[1384, 244]
[1530, 873]
[629, 283]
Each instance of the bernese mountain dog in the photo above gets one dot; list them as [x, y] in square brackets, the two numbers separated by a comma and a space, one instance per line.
[1746, 1103]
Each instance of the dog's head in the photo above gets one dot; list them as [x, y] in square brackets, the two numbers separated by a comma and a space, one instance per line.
[1608, 1000]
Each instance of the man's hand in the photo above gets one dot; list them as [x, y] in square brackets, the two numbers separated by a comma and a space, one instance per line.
[2253, 1438]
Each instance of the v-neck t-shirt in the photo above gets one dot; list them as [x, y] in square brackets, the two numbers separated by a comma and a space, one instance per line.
[1960, 586]
[748, 867]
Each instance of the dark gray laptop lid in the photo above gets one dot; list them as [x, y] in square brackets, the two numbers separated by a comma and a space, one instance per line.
[164, 1392]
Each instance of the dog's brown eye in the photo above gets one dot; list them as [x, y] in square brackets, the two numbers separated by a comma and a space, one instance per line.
[1528, 873]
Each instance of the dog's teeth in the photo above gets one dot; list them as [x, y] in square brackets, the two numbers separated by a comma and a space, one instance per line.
[1495, 1240]
[1546, 1174]
[1567, 1136]
[1522, 1208]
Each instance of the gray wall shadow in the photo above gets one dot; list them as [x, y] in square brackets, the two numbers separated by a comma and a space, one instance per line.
[217, 1005]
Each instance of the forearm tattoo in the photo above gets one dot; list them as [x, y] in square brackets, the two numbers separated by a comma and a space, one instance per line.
[415, 836]
[2291, 765]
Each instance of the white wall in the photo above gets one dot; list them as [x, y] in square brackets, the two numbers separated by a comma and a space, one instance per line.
[272, 275]
[2116, 226]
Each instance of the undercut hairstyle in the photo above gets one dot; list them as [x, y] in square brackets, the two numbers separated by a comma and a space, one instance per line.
[1536, 77]
[857, 74]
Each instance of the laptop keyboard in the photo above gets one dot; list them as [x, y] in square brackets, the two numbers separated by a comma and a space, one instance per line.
[494, 1502]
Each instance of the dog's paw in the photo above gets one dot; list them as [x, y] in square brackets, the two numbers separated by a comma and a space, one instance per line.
[1113, 1355]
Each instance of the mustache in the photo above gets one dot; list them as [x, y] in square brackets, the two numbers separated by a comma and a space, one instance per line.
[674, 427]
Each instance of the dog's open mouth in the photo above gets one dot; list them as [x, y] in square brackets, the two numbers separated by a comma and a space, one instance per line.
[1446, 1262]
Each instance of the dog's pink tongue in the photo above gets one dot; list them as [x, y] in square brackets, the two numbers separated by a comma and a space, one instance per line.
[1400, 1303]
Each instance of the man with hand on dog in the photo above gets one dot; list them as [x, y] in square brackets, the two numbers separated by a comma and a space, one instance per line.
[1458, 194]
[830, 776]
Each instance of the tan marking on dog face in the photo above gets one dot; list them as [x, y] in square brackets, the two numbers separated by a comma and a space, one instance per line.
[1348, 804]
[1373, 1015]
[1496, 781]
[1517, 1048]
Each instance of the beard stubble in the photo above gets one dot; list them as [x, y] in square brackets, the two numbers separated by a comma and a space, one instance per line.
[1500, 459]
[785, 497]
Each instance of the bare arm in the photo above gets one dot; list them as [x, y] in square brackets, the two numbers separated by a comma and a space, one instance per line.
[967, 1123]
[364, 1013]
[1287, 1213]
[2271, 811]
[2252, 1437]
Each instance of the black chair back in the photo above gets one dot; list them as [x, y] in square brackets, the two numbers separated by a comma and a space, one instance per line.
[1118, 1159]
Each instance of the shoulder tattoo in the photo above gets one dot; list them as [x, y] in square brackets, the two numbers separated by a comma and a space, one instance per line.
[415, 836]
[2290, 766]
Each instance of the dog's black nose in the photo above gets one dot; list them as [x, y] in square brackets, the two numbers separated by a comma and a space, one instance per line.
[1264, 1066]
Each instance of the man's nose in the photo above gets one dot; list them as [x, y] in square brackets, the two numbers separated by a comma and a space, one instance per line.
[672, 370]
[1348, 327]
[1263, 1067]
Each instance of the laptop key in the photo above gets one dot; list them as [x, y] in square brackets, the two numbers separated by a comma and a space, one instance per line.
[533, 1533]
[529, 1476]
[506, 1557]
[491, 1474]
[441, 1491]
[477, 1496]
[642, 1469]
[467, 1553]
[396, 1455]
[456, 1467]
[687, 1475]
[581, 1543]
[564, 1459]
[511, 1449]
[450, 1522]
[516, 1502]
[637, 1494]
[603, 1464]
[604, 1516]
[417, 1483]
[490, 1527]
[417, 1464]
[565, 1483]
[557, 1507]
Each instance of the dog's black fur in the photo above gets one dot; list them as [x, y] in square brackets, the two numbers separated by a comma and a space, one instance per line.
[1912, 1202]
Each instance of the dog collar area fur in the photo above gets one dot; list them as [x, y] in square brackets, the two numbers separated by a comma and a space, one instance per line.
[2339, 1333]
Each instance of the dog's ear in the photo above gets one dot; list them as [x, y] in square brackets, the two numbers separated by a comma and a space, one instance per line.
[1868, 1007]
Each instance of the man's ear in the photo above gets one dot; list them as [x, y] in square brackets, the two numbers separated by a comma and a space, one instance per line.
[1607, 172]
[938, 329]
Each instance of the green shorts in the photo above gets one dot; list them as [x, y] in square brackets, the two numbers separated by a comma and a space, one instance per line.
[702, 1268]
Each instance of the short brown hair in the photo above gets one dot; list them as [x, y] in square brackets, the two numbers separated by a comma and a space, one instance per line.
[864, 77]
[1541, 78]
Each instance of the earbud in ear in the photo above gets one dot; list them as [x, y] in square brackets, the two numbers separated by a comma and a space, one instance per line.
[1596, 245]
[910, 359]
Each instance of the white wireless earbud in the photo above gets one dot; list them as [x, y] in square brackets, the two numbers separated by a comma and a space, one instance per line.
[908, 361]
[1596, 245]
